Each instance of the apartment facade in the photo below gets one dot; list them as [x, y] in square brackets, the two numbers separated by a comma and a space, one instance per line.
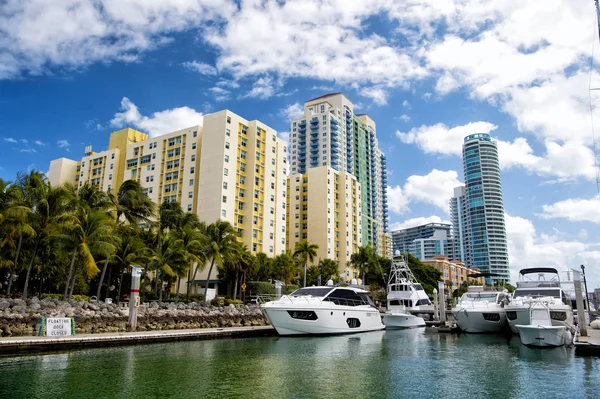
[424, 241]
[331, 135]
[478, 209]
[454, 272]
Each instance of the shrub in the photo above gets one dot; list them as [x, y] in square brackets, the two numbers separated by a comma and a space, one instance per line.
[291, 288]
[76, 298]
[254, 288]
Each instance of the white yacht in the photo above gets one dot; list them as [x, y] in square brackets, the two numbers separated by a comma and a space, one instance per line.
[481, 310]
[404, 293]
[323, 310]
[540, 284]
[540, 332]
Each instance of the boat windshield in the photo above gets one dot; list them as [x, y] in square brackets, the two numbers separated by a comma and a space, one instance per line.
[311, 291]
[536, 293]
[480, 296]
[418, 287]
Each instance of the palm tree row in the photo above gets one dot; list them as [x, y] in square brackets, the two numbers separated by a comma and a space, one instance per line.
[58, 239]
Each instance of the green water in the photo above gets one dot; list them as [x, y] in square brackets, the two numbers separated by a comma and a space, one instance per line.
[384, 364]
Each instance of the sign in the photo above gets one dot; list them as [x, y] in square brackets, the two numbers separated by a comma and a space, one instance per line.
[137, 302]
[59, 326]
[244, 287]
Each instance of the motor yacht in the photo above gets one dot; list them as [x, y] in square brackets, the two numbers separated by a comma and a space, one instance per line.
[540, 332]
[481, 310]
[404, 293]
[323, 310]
[540, 284]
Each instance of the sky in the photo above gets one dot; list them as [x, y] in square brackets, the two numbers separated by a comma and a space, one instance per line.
[429, 72]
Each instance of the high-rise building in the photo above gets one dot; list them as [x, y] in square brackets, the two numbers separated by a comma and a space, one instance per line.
[330, 137]
[424, 241]
[478, 209]
[229, 169]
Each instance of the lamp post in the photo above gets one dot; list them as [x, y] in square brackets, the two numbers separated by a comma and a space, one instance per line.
[587, 300]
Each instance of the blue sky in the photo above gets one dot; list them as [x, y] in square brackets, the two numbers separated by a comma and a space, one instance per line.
[427, 73]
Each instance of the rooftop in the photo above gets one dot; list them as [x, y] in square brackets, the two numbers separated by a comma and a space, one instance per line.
[328, 95]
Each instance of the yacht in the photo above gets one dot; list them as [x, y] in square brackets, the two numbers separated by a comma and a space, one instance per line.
[481, 310]
[539, 284]
[323, 310]
[404, 293]
[540, 332]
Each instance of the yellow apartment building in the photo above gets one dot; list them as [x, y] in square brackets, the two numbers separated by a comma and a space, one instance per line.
[453, 271]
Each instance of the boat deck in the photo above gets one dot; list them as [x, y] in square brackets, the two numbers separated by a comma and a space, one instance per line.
[13, 345]
[589, 345]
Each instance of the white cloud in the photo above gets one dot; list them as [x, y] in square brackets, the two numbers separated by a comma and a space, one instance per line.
[24, 141]
[158, 123]
[406, 104]
[38, 36]
[377, 94]
[220, 93]
[285, 136]
[574, 210]
[64, 144]
[435, 188]
[439, 139]
[38, 142]
[417, 222]
[565, 161]
[27, 150]
[293, 111]
[405, 118]
[527, 248]
[200, 67]
[10, 140]
[263, 88]
[446, 84]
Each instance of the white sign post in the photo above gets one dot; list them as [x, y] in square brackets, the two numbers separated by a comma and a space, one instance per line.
[134, 298]
[58, 326]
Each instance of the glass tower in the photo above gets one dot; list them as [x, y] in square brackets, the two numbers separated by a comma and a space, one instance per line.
[478, 209]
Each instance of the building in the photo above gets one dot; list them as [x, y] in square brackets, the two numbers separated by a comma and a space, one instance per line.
[331, 137]
[344, 141]
[229, 169]
[454, 272]
[478, 210]
[424, 241]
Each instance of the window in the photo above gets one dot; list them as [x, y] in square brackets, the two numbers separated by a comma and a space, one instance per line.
[195, 133]
[240, 219]
[112, 156]
[109, 177]
[243, 154]
[228, 132]
[224, 185]
[111, 166]
[193, 146]
[189, 208]
[226, 158]
[223, 213]
[244, 142]
[226, 172]
[192, 169]
[243, 167]
[224, 199]
[191, 182]
[227, 144]
[228, 119]
[193, 157]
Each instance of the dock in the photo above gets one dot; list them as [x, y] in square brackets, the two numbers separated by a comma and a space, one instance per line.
[27, 344]
[588, 345]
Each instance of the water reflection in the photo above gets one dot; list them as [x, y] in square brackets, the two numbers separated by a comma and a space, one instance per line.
[383, 364]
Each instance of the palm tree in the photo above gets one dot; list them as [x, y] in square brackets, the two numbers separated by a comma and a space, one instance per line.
[261, 267]
[284, 267]
[133, 206]
[307, 253]
[364, 260]
[92, 234]
[168, 256]
[220, 242]
[328, 268]
[130, 249]
[192, 239]
[49, 205]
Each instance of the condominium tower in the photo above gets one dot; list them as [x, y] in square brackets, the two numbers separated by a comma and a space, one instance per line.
[478, 211]
[424, 241]
[334, 154]
[229, 169]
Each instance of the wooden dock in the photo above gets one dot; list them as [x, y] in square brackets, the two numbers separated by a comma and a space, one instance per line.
[14, 345]
[588, 345]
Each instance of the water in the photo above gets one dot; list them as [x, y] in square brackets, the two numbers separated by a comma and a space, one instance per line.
[384, 364]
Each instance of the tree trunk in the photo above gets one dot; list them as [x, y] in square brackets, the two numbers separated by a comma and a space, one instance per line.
[69, 275]
[73, 283]
[37, 244]
[120, 285]
[15, 267]
[212, 263]
[305, 273]
[108, 283]
[364, 283]
[194, 277]
[235, 287]
[160, 290]
[98, 291]
[10, 280]
[177, 296]
[189, 282]
[244, 291]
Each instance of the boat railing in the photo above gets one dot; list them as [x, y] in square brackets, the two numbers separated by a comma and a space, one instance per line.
[335, 300]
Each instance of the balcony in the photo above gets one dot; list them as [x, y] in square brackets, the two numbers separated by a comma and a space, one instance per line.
[314, 121]
[314, 156]
[302, 123]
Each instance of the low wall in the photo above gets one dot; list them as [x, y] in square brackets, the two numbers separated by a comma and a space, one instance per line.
[22, 318]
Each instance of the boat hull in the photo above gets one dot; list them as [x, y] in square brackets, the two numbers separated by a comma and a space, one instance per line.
[328, 321]
[480, 321]
[402, 320]
[543, 336]
[521, 316]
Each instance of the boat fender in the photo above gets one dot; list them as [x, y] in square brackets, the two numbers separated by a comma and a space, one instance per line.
[595, 324]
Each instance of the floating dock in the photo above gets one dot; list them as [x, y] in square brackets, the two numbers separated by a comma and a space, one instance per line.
[588, 345]
[15, 345]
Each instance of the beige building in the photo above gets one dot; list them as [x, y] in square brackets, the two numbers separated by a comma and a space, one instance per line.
[324, 207]
[454, 271]
[229, 169]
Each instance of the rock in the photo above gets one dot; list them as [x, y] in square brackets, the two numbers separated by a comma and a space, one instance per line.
[35, 306]
[4, 304]
[18, 309]
[93, 307]
[18, 302]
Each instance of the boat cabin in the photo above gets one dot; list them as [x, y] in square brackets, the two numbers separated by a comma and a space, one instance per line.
[344, 296]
